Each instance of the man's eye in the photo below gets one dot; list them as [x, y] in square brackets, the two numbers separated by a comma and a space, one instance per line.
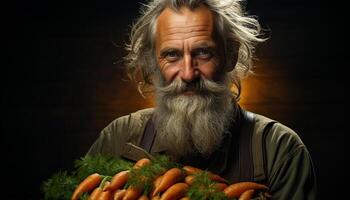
[203, 54]
[172, 56]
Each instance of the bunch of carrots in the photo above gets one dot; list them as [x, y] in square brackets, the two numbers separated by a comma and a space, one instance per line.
[152, 180]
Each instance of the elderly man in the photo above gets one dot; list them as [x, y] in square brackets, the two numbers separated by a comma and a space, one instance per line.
[194, 52]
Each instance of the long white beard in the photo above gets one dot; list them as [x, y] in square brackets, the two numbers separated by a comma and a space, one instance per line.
[196, 123]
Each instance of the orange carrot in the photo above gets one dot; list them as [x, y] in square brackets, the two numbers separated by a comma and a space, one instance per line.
[175, 192]
[143, 197]
[86, 185]
[217, 178]
[170, 177]
[132, 193]
[189, 170]
[119, 194]
[189, 179]
[142, 162]
[117, 181]
[247, 195]
[156, 182]
[236, 189]
[185, 198]
[155, 197]
[96, 193]
[221, 186]
[106, 195]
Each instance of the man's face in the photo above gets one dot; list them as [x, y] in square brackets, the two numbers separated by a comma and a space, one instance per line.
[185, 45]
[194, 101]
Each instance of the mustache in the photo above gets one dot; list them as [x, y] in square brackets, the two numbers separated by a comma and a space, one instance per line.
[201, 86]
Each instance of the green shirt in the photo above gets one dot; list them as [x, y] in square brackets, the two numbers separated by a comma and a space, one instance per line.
[285, 167]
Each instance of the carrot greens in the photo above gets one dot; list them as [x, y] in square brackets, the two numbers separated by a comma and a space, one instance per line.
[61, 185]
[105, 165]
[203, 188]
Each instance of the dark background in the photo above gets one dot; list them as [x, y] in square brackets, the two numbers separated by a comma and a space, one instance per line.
[62, 72]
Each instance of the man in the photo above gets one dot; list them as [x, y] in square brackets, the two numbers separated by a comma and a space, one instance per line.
[194, 52]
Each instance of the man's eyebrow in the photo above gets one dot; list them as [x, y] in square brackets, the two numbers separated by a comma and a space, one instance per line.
[210, 45]
[166, 50]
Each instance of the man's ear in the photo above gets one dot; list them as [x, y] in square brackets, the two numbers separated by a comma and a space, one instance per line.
[232, 57]
[231, 64]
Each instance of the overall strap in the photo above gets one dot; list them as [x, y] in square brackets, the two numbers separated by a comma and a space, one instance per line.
[241, 167]
[251, 165]
[259, 149]
[134, 152]
[148, 136]
[245, 156]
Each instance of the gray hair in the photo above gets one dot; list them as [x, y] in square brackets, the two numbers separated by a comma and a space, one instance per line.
[238, 31]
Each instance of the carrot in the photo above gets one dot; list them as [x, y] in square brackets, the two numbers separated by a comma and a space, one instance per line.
[86, 185]
[220, 186]
[170, 177]
[247, 195]
[189, 179]
[155, 197]
[185, 198]
[175, 192]
[117, 181]
[217, 178]
[156, 182]
[119, 194]
[143, 197]
[236, 189]
[106, 195]
[132, 193]
[142, 162]
[96, 193]
[189, 170]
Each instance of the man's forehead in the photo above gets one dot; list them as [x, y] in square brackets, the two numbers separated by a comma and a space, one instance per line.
[184, 24]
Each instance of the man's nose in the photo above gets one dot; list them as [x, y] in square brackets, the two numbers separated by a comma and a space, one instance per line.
[189, 70]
